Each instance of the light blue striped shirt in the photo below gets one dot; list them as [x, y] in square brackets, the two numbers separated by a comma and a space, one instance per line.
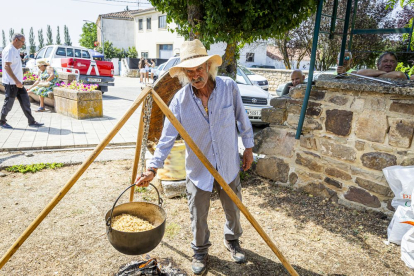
[215, 134]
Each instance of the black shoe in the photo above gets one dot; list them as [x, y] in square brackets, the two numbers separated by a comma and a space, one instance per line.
[5, 125]
[236, 251]
[36, 124]
[199, 264]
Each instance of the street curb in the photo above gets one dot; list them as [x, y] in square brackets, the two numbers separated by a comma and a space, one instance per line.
[64, 147]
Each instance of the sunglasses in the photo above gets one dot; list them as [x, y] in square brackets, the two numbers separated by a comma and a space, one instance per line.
[21, 41]
[347, 58]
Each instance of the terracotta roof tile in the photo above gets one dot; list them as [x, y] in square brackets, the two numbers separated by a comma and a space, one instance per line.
[122, 14]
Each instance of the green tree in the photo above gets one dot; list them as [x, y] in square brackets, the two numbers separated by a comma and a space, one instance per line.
[58, 42]
[24, 45]
[67, 36]
[234, 22]
[111, 51]
[4, 38]
[88, 36]
[132, 52]
[40, 38]
[49, 38]
[11, 33]
[403, 3]
[32, 45]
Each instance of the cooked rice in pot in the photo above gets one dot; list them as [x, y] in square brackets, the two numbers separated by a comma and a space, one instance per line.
[129, 223]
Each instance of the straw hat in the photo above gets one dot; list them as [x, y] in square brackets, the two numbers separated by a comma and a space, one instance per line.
[192, 54]
[42, 62]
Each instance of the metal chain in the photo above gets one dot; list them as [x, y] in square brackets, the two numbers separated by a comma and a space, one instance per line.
[147, 118]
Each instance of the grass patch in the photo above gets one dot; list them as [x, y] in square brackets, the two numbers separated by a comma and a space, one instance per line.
[172, 230]
[34, 167]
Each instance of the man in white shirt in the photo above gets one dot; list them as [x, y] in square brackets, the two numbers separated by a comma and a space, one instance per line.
[12, 80]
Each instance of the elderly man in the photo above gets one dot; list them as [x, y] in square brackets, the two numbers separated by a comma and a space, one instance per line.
[386, 64]
[12, 80]
[208, 107]
[346, 65]
[297, 77]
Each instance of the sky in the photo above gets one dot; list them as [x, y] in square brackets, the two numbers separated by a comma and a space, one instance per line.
[18, 14]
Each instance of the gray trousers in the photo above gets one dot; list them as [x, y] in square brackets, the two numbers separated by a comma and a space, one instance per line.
[13, 92]
[199, 205]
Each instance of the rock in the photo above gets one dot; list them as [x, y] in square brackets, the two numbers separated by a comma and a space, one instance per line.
[337, 151]
[310, 163]
[27, 154]
[308, 175]
[298, 92]
[273, 168]
[361, 196]
[401, 133]
[339, 122]
[318, 189]
[389, 206]
[293, 178]
[402, 107]
[373, 187]
[407, 162]
[372, 126]
[279, 102]
[358, 104]
[275, 141]
[375, 103]
[374, 175]
[274, 116]
[360, 145]
[309, 123]
[378, 160]
[338, 100]
[333, 182]
[174, 188]
[338, 173]
[308, 141]
[2, 174]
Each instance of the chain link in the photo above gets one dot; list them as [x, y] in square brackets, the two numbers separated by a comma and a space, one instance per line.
[146, 119]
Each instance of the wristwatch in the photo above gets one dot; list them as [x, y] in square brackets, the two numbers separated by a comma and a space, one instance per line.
[153, 170]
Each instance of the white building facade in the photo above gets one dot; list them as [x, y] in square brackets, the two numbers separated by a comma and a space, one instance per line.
[117, 28]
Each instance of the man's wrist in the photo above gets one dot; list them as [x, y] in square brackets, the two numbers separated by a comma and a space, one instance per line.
[153, 170]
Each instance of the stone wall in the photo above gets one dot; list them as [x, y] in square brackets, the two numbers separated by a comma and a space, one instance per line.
[275, 76]
[352, 130]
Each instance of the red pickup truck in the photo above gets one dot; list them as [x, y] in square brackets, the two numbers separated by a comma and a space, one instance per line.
[77, 60]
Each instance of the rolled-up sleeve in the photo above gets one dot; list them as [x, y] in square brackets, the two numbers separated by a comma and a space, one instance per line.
[168, 137]
[243, 123]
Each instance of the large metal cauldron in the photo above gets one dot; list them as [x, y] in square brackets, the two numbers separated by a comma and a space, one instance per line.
[137, 243]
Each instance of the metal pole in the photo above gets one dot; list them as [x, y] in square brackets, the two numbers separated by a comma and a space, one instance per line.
[333, 19]
[353, 25]
[345, 32]
[311, 69]
[102, 39]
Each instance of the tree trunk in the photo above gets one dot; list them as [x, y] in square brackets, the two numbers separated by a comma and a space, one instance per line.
[229, 66]
[195, 15]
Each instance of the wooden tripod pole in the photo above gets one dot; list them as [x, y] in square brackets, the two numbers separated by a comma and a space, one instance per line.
[164, 108]
[74, 178]
[137, 150]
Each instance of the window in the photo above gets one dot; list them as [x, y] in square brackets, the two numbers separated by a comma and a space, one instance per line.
[149, 23]
[171, 63]
[41, 53]
[162, 22]
[140, 24]
[165, 51]
[48, 52]
[69, 52]
[249, 57]
[85, 54]
[77, 53]
[144, 54]
[61, 52]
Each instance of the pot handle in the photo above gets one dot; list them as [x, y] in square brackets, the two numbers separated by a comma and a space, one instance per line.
[109, 221]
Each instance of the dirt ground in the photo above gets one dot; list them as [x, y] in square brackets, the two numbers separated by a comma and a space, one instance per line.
[317, 237]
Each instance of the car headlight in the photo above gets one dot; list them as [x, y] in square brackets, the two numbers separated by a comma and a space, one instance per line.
[255, 83]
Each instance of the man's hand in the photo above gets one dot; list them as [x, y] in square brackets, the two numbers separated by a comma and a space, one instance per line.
[144, 179]
[19, 84]
[340, 70]
[247, 159]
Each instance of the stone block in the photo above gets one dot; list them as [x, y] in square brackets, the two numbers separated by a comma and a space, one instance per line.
[372, 126]
[299, 93]
[293, 178]
[360, 145]
[408, 161]
[373, 186]
[358, 104]
[382, 147]
[308, 141]
[274, 115]
[67, 77]
[374, 175]
[279, 102]
[275, 141]
[339, 122]
[338, 151]
[375, 103]
[174, 188]
[308, 175]
[378, 160]
[308, 124]
[333, 182]
[308, 162]
[401, 133]
[273, 168]
[318, 189]
[338, 100]
[334, 172]
[402, 107]
[361, 196]
[79, 105]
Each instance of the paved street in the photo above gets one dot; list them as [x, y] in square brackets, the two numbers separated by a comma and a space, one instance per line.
[65, 132]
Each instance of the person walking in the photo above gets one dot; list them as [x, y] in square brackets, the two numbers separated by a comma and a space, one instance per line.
[12, 80]
[211, 110]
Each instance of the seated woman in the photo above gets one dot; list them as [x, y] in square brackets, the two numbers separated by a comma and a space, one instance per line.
[48, 77]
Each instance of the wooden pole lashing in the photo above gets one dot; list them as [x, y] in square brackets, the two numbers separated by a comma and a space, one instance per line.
[74, 178]
[164, 108]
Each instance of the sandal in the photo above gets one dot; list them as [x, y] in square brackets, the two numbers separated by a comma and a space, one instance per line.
[41, 109]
